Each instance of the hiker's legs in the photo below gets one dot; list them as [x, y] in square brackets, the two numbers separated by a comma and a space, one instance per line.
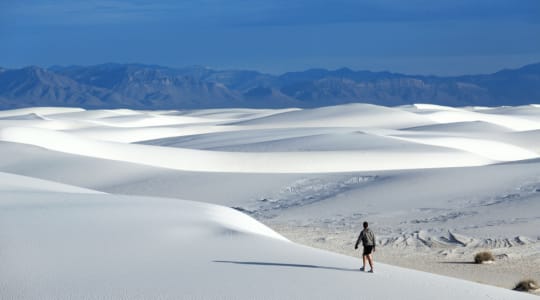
[364, 261]
[370, 260]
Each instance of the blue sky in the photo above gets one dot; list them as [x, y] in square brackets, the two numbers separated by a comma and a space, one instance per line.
[441, 37]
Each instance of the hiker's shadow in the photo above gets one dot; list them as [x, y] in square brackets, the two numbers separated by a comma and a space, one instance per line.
[274, 264]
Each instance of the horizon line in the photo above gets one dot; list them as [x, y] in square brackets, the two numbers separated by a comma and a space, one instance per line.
[261, 72]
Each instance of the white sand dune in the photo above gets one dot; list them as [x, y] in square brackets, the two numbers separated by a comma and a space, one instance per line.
[232, 114]
[508, 121]
[214, 161]
[525, 139]
[530, 112]
[471, 127]
[43, 111]
[140, 134]
[113, 247]
[351, 115]
[431, 107]
[17, 183]
[30, 116]
[429, 178]
[82, 171]
[94, 114]
[147, 120]
[237, 137]
[299, 140]
[476, 133]
[494, 150]
[48, 124]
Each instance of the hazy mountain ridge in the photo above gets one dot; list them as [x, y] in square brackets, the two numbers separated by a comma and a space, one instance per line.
[149, 86]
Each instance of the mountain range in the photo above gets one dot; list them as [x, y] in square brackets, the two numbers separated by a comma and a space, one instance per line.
[156, 87]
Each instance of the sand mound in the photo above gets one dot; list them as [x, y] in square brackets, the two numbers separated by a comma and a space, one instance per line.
[214, 161]
[351, 115]
[118, 247]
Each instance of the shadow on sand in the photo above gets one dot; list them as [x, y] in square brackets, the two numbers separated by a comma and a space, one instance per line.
[458, 262]
[272, 264]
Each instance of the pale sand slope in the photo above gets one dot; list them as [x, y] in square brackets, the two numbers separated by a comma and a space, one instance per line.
[273, 162]
[325, 211]
[58, 245]
[17, 183]
[366, 164]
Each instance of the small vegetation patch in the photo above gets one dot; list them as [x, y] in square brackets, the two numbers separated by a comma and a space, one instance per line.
[484, 257]
[527, 285]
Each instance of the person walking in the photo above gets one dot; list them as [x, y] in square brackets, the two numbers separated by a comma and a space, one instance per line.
[368, 241]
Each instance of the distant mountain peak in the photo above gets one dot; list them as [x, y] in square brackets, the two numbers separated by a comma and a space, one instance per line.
[135, 85]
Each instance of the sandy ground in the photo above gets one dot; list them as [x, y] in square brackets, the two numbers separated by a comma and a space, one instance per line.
[437, 184]
[512, 265]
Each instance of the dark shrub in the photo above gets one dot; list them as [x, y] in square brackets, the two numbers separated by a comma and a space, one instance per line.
[527, 285]
[484, 257]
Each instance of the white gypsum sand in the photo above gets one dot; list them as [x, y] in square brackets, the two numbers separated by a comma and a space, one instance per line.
[437, 184]
[89, 246]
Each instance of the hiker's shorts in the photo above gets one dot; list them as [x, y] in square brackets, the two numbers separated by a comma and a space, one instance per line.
[368, 250]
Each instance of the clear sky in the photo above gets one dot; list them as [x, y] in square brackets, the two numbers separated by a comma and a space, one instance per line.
[413, 36]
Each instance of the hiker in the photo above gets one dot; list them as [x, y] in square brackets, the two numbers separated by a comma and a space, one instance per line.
[368, 241]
